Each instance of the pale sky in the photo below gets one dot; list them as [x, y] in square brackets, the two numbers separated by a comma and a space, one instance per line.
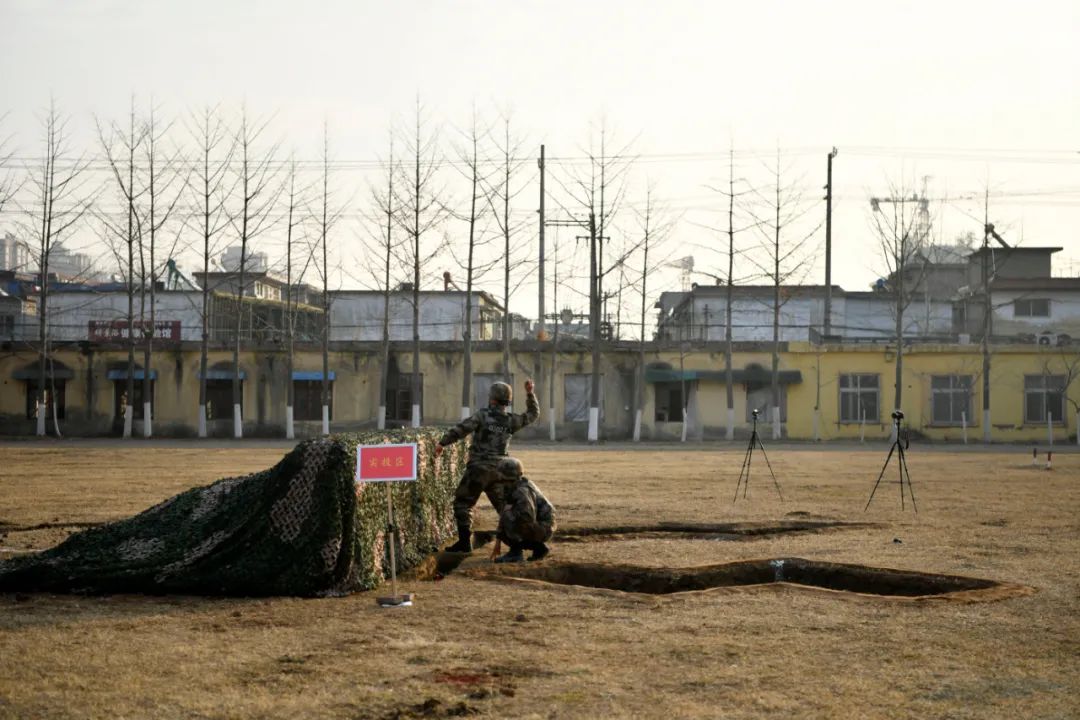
[961, 92]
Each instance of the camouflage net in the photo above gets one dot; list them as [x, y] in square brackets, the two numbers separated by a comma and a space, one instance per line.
[303, 527]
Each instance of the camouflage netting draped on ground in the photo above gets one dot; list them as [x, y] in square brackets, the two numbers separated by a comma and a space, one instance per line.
[300, 528]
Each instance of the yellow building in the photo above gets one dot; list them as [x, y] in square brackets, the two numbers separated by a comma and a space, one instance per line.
[829, 392]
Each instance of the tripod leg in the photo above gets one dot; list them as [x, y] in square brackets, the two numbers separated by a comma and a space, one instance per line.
[749, 458]
[745, 464]
[907, 473]
[880, 475]
[769, 465]
[900, 468]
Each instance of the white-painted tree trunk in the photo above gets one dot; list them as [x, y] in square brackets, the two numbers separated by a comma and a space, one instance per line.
[237, 421]
[963, 425]
[594, 424]
[775, 422]
[41, 409]
[380, 420]
[1049, 429]
[466, 411]
[148, 420]
[862, 425]
[202, 421]
[685, 425]
[129, 414]
[290, 431]
[325, 419]
[637, 425]
[986, 426]
[416, 415]
[731, 423]
[551, 424]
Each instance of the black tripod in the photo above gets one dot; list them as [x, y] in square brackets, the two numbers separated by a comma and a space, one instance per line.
[899, 448]
[745, 471]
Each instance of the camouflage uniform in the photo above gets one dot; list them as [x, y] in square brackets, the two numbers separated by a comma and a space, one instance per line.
[527, 519]
[491, 429]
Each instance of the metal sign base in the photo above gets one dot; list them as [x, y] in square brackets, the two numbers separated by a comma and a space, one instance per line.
[393, 600]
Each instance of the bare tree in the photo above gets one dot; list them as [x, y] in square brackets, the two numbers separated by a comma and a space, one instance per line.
[382, 244]
[59, 200]
[420, 210]
[121, 162]
[784, 257]
[470, 161]
[209, 186]
[902, 231]
[164, 184]
[600, 190]
[258, 189]
[295, 198]
[10, 183]
[511, 159]
[330, 213]
[654, 228]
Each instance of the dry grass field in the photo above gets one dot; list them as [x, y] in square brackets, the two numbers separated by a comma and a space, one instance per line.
[472, 646]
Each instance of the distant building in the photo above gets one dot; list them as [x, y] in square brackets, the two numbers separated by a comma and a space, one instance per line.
[357, 315]
[14, 254]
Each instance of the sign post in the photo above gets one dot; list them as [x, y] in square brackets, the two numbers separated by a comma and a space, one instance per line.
[388, 464]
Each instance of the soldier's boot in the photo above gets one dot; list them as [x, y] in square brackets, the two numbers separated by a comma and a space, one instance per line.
[464, 543]
[514, 555]
[539, 552]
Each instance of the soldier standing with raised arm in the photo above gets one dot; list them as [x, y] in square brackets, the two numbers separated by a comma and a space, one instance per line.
[491, 429]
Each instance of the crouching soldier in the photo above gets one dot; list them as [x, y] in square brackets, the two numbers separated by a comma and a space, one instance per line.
[527, 521]
[491, 429]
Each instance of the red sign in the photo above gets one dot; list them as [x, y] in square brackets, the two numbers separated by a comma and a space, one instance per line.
[116, 330]
[386, 463]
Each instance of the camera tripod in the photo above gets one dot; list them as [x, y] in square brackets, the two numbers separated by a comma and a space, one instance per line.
[899, 448]
[755, 439]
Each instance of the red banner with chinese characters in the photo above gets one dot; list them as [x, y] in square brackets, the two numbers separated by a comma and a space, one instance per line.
[386, 463]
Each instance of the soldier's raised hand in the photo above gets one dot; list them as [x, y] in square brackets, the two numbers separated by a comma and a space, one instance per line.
[529, 385]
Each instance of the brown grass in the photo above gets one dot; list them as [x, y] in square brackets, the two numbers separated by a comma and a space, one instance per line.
[471, 646]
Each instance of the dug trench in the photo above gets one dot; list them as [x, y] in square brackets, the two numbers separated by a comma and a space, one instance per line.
[797, 572]
[444, 563]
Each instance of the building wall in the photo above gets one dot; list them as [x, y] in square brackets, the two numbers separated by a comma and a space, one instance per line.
[1064, 313]
[358, 317]
[91, 396]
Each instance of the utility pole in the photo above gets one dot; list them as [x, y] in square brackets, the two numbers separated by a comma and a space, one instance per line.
[828, 246]
[987, 324]
[594, 332]
[543, 323]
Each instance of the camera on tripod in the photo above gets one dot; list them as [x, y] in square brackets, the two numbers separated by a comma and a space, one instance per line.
[755, 412]
[897, 415]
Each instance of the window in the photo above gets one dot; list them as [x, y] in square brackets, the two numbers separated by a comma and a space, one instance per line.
[859, 398]
[399, 400]
[1031, 308]
[307, 400]
[120, 396]
[482, 383]
[1044, 394]
[32, 395]
[577, 394]
[759, 397]
[950, 399]
[669, 403]
[219, 399]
